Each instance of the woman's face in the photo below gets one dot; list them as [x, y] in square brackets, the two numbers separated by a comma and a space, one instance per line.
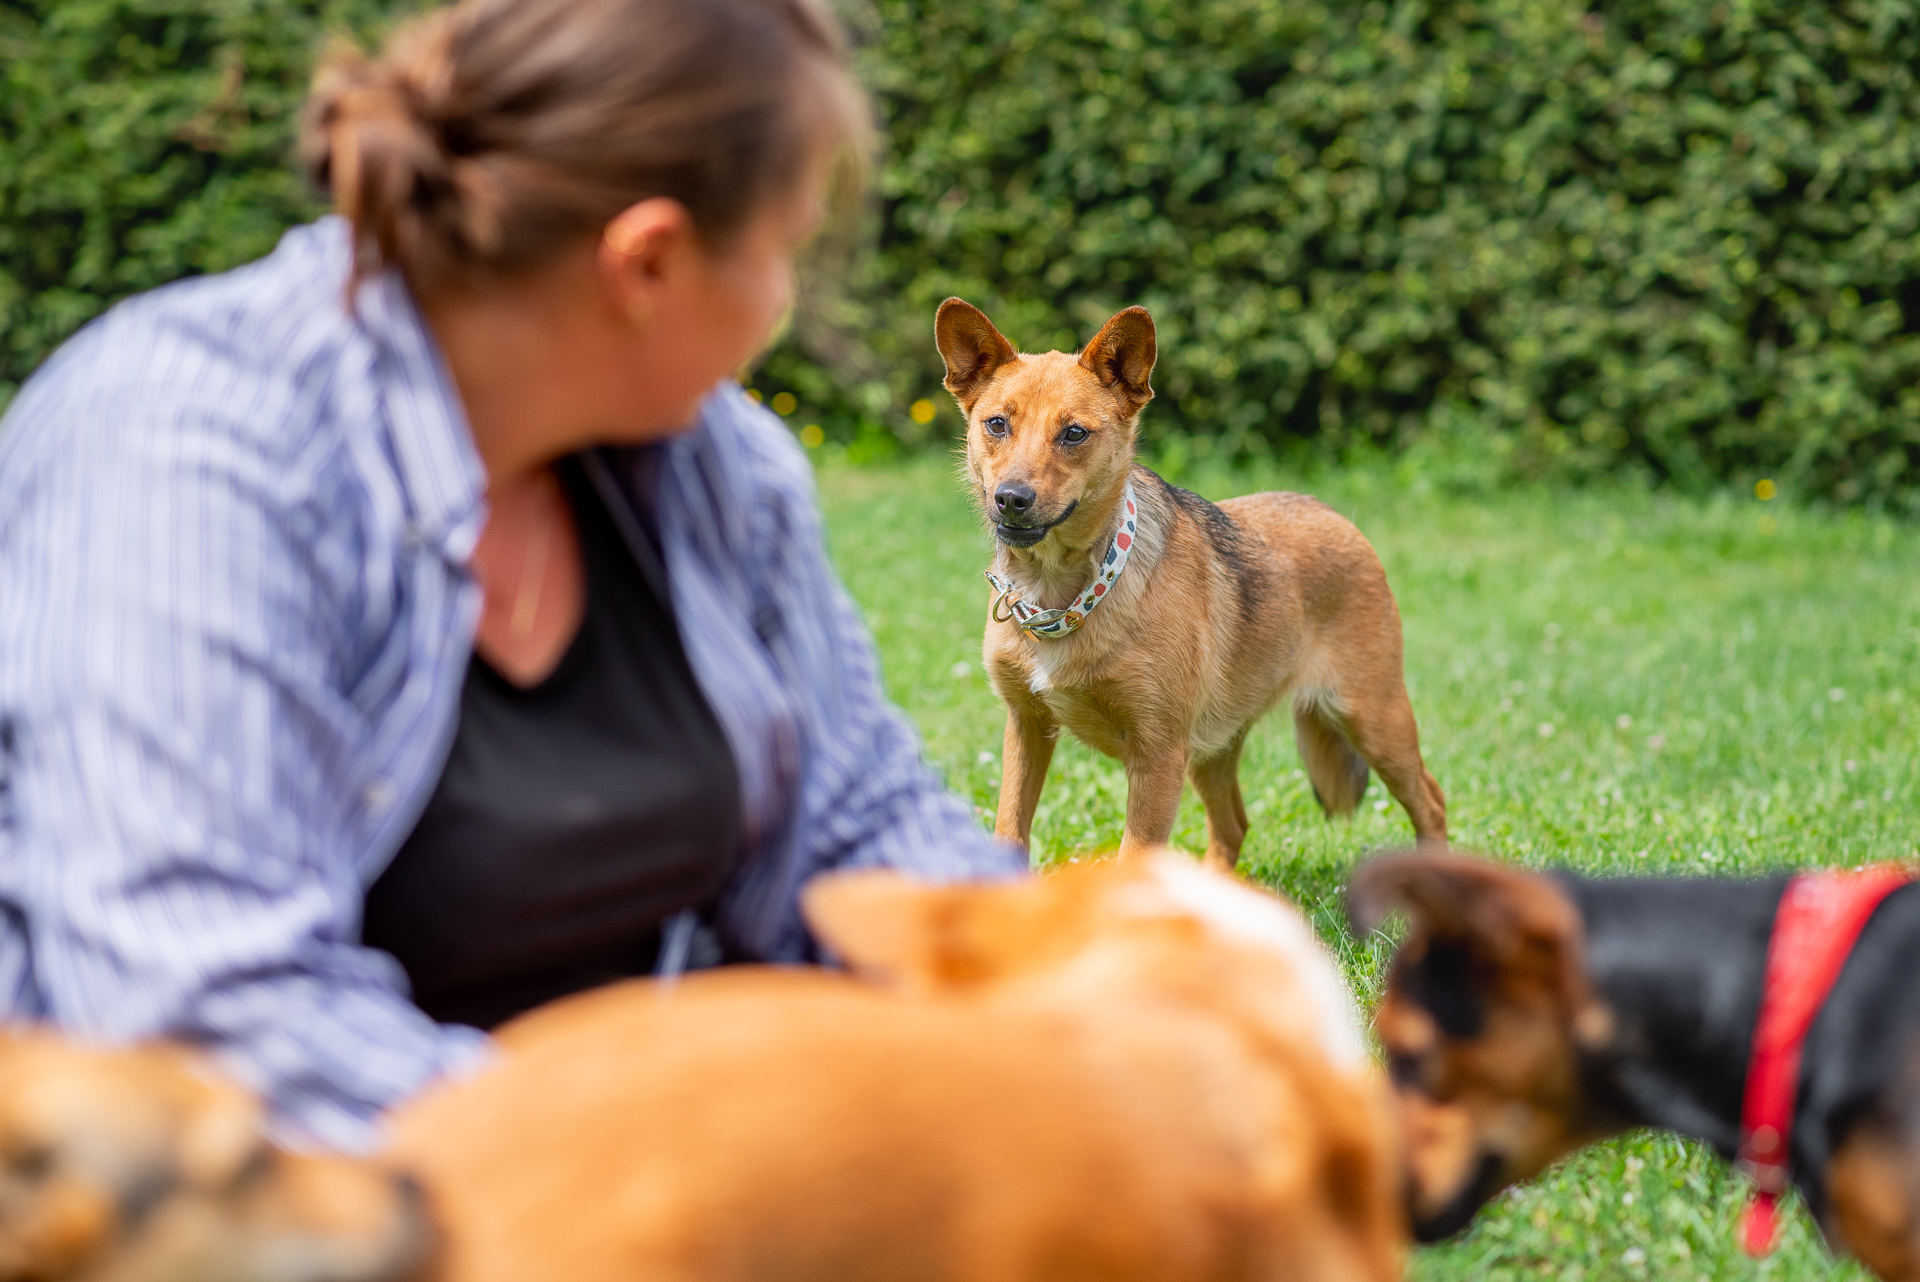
[619, 342]
[704, 313]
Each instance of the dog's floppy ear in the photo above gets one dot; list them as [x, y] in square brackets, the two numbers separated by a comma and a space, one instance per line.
[1458, 897]
[972, 348]
[1515, 924]
[1122, 354]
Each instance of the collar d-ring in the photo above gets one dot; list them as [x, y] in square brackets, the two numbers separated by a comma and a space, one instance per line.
[1001, 600]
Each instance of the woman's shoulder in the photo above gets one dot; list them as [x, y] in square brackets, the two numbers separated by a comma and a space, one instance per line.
[742, 475]
[251, 355]
[757, 444]
[250, 401]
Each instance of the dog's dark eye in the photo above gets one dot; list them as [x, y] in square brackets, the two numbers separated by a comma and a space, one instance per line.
[1406, 1071]
[1074, 434]
[30, 1162]
[257, 1167]
[996, 426]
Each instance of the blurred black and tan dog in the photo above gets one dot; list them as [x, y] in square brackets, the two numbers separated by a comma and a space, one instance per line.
[1200, 620]
[1527, 1015]
[144, 1165]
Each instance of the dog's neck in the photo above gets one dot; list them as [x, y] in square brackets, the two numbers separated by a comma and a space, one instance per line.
[1057, 569]
[1680, 963]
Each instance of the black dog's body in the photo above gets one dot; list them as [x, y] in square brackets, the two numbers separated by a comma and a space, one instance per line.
[1655, 989]
[1680, 964]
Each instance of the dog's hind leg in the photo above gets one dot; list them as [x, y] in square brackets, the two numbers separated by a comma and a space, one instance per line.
[1217, 780]
[1380, 726]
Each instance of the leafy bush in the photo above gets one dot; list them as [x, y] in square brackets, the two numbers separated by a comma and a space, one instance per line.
[141, 141]
[1671, 236]
[1677, 235]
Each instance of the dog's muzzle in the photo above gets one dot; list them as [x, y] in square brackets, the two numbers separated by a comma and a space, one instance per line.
[1025, 536]
[1460, 1209]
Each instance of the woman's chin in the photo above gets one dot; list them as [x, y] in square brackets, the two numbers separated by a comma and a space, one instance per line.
[660, 423]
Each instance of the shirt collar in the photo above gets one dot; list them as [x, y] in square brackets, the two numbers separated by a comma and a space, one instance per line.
[440, 469]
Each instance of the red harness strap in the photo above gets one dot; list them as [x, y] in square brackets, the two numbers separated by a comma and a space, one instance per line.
[1819, 920]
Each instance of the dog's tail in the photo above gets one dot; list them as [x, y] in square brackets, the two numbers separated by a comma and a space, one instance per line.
[1335, 769]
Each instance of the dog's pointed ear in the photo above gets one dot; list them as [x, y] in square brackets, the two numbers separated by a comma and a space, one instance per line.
[884, 926]
[1122, 354]
[972, 348]
[222, 1131]
[1516, 925]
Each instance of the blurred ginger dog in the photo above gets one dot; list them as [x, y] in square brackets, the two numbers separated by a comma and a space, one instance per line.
[140, 1165]
[1157, 626]
[1125, 1070]
[1528, 1015]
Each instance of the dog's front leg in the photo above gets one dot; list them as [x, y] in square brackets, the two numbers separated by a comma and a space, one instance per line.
[1024, 757]
[1155, 777]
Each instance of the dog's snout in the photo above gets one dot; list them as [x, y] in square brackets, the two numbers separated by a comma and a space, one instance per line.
[1015, 498]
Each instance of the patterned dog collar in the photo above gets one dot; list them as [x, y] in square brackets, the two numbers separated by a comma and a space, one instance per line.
[1054, 624]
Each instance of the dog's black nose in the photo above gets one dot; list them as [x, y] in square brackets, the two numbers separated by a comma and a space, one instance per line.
[1014, 498]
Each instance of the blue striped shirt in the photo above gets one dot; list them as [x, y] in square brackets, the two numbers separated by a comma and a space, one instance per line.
[235, 616]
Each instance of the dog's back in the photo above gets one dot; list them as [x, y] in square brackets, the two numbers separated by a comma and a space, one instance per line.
[1338, 605]
[1011, 1119]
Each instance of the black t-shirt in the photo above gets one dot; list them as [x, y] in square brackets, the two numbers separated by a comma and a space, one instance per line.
[573, 817]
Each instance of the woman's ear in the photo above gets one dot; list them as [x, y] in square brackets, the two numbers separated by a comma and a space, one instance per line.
[638, 251]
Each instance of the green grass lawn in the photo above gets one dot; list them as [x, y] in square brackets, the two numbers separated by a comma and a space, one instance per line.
[1611, 680]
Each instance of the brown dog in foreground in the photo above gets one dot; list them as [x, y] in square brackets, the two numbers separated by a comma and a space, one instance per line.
[1131, 1070]
[143, 1165]
[1220, 612]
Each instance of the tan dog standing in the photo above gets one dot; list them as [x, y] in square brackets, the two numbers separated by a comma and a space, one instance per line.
[1132, 1071]
[1216, 613]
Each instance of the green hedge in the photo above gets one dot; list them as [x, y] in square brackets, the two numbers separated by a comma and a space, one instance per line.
[1674, 236]
[1670, 234]
[142, 141]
